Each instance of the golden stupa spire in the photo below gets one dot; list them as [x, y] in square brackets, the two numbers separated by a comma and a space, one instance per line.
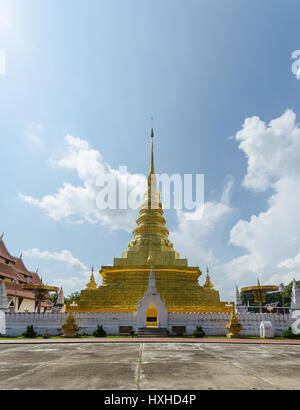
[152, 172]
[153, 193]
[208, 284]
[92, 284]
[151, 225]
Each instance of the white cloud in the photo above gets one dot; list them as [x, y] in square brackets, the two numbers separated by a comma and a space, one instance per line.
[192, 236]
[291, 263]
[34, 132]
[63, 256]
[60, 269]
[5, 16]
[272, 151]
[271, 238]
[79, 203]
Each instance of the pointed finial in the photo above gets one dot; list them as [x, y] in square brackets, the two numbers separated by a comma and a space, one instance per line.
[21, 255]
[258, 282]
[2, 235]
[208, 283]
[37, 271]
[152, 284]
[92, 283]
[152, 154]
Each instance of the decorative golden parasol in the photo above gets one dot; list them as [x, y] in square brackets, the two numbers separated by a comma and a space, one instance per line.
[260, 292]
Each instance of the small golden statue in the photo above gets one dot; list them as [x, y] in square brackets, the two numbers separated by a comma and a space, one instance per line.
[233, 325]
[70, 327]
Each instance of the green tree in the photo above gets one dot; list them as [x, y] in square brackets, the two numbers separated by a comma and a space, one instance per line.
[99, 332]
[199, 332]
[53, 298]
[30, 332]
[73, 297]
[288, 333]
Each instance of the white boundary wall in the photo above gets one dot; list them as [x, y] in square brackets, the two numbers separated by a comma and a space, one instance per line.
[51, 323]
[214, 324]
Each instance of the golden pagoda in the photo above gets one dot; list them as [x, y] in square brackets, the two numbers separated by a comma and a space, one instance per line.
[125, 282]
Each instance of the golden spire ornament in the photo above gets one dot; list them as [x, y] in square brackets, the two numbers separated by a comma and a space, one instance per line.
[233, 325]
[208, 284]
[92, 284]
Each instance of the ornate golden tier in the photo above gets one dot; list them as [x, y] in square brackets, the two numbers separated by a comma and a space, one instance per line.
[126, 281]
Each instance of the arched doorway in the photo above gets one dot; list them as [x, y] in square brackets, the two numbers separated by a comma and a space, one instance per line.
[152, 316]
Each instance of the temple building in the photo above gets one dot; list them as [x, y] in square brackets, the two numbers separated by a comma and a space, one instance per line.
[14, 274]
[126, 281]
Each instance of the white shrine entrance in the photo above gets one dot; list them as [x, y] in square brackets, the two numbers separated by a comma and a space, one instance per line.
[152, 316]
[152, 311]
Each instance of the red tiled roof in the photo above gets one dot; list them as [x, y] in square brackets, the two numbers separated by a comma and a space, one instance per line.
[9, 271]
[36, 279]
[16, 290]
[20, 266]
[4, 252]
[17, 270]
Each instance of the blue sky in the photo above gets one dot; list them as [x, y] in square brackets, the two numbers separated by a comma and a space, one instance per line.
[98, 71]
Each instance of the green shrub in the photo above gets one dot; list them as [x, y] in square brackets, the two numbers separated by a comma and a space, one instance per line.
[29, 332]
[199, 332]
[99, 332]
[288, 333]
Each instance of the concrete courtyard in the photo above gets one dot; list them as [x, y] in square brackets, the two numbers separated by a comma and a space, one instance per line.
[149, 366]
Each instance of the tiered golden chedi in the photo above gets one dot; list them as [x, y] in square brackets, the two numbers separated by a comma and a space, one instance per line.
[125, 282]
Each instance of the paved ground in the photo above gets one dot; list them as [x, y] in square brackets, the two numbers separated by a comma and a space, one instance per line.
[147, 340]
[149, 366]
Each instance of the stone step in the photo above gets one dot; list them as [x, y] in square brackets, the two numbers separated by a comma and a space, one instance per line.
[152, 332]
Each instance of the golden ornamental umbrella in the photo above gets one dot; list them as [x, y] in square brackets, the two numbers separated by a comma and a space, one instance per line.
[259, 291]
